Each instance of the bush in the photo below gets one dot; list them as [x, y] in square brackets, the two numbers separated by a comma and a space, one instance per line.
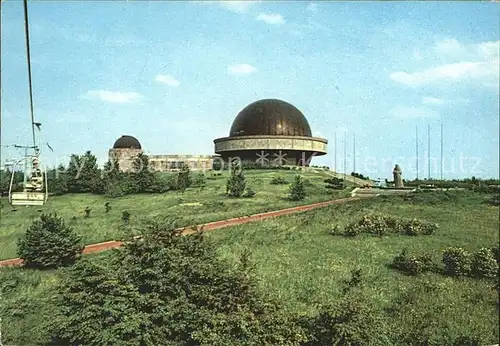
[125, 216]
[412, 265]
[184, 178]
[248, 193]
[279, 181]
[87, 212]
[334, 183]
[49, 243]
[456, 261]
[297, 189]
[484, 264]
[168, 289]
[236, 184]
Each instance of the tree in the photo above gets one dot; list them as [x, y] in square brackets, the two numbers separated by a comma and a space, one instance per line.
[142, 176]
[57, 180]
[83, 174]
[49, 243]
[168, 289]
[184, 178]
[236, 183]
[297, 189]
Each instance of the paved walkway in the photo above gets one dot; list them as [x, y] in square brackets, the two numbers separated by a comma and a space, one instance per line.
[93, 248]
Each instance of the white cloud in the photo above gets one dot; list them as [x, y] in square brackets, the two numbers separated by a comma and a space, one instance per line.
[238, 6]
[312, 7]
[483, 51]
[458, 62]
[448, 72]
[274, 19]
[114, 96]
[241, 69]
[429, 100]
[404, 112]
[167, 79]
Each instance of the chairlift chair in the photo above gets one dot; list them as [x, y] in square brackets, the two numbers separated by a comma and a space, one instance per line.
[35, 191]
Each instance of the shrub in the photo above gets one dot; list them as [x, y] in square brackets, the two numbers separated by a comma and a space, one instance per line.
[107, 207]
[87, 212]
[49, 243]
[279, 181]
[168, 289]
[126, 216]
[297, 189]
[236, 183]
[334, 183]
[184, 178]
[412, 265]
[248, 193]
[456, 261]
[336, 230]
[484, 264]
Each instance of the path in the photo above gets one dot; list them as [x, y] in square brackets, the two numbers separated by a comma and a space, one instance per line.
[94, 248]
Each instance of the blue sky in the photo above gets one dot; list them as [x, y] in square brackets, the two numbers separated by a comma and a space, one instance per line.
[175, 74]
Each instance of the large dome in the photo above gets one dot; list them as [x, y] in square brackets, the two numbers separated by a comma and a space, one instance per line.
[270, 117]
[127, 142]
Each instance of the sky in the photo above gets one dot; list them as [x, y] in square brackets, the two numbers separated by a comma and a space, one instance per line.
[175, 74]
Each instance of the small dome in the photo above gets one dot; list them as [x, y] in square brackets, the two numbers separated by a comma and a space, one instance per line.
[127, 142]
[270, 117]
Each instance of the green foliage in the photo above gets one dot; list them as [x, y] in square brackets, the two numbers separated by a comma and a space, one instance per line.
[413, 265]
[484, 264]
[184, 178]
[200, 181]
[248, 193]
[279, 181]
[236, 184]
[49, 243]
[142, 176]
[334, 183]
[107, 207]
[163, 183]
[383, 225]
[125, 216]
[297, 189]
[87, 212]
[168, 289]
[57, 181]
[83, 174]
[360, 176]
[349, 321]
[456, 261]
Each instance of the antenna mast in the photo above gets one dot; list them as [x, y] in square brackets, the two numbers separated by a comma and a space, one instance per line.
[441, 152]
[345, 154]
[354, 152]
[335, 153]
[416, 146]
[429, 151]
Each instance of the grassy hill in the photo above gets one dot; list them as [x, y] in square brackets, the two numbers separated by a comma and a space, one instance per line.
[300, 263]
[192, 206]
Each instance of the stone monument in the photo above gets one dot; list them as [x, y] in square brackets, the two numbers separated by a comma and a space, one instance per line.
[398, 181]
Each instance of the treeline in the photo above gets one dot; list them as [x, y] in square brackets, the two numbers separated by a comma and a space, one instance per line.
[83, 175]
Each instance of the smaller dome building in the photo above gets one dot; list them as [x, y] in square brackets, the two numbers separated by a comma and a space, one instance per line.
[271, 132]
[125, 150]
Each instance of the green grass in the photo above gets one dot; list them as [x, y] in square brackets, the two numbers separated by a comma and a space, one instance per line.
[300, 263]
[193, 206]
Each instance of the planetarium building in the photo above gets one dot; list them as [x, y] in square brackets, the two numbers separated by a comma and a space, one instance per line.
[271, 132]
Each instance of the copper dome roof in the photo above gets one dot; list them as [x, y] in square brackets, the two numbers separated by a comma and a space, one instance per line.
[270, 117]
[127, 142]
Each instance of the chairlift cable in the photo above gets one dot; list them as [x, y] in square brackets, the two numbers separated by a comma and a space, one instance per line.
[30, 84]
